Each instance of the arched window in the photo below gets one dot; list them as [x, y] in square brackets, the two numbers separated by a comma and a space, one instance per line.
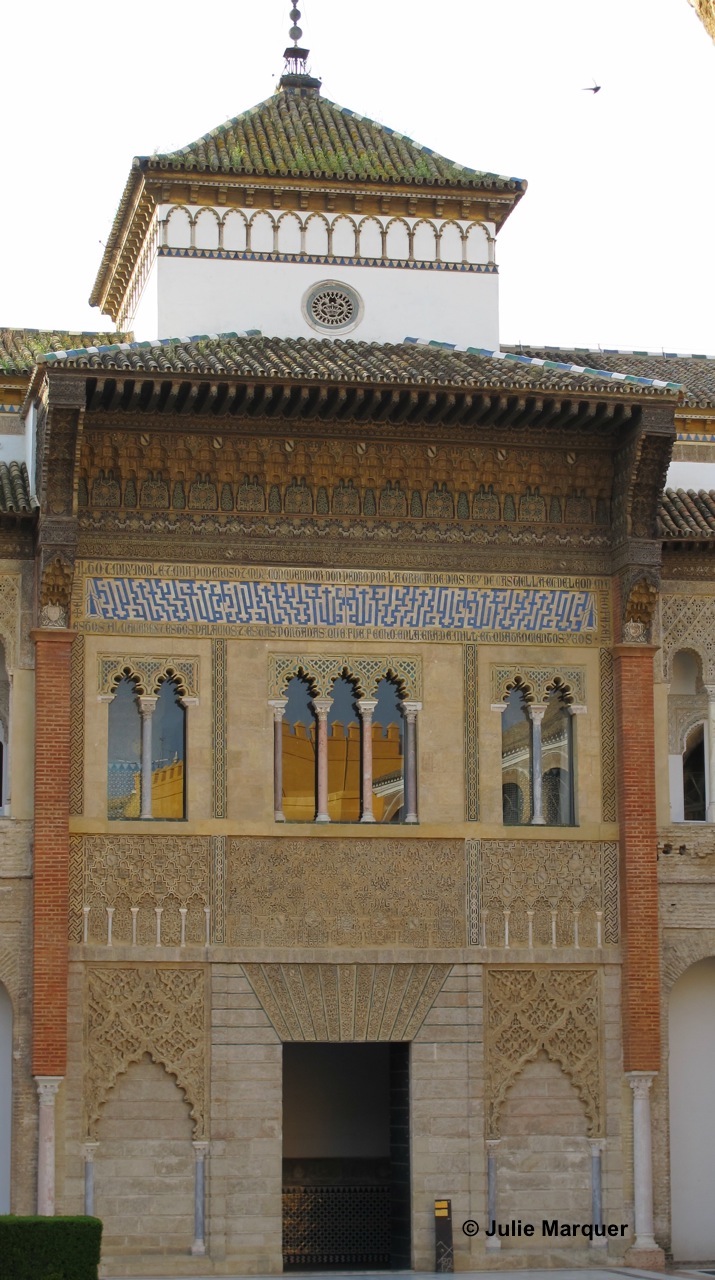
[345, 756]
[557, 762]
[694, 798]
[688, 741]
[388, 763]
[146, 752]
[124, 752]
[168, 754]
[516, 758]
[298, 754]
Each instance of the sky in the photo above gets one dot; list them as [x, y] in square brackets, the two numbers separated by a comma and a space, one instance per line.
[611, 246]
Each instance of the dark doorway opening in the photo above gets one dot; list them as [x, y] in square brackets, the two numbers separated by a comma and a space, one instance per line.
[346, 1156]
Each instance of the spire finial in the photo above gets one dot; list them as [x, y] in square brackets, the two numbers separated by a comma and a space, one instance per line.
[296, 74]
[295, 32]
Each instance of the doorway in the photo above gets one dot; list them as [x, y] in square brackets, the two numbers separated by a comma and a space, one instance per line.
[346, 1156]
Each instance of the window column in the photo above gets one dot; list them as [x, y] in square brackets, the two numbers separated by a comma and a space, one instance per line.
[147, 707]
[411, 709]
[322, 707]
[536, 715]
[278, 706]
[366, 708]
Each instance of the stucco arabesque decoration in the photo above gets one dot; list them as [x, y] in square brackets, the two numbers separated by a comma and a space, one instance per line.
[321, 671]
[148, 672]
[688, 622]
[554, 1011]
[130, 1012]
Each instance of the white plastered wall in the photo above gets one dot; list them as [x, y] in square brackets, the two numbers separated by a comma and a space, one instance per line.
[213, 296]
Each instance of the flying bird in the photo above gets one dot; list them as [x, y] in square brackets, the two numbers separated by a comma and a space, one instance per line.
[592, 88]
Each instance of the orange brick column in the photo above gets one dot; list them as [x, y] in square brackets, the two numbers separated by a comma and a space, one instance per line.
[633, 672]
[50, 887]
[640, 999]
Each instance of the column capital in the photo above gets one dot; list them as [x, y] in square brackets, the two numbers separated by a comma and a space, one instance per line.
[47, 1087]
[147, 703]
[89, 1151]
[576, 709]
[201, 1149]
[710, 691]
[537, 711]
[492, 1143]
[366, 706]
[278, 707]
[411, 708]
[640, 1082]
[597, 1145]
[53, 635]
[322, 706]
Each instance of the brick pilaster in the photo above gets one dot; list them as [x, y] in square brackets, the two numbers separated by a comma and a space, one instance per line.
[51, 850]
[633, 671]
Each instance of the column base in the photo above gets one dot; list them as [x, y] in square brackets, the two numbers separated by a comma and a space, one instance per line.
[645, 1259]
[411, 820]
[198, 1249]
[322, 817]
[279, 817]
[368, 818]
[494, 1243]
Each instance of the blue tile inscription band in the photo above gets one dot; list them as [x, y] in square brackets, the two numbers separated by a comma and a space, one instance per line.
[338, 605]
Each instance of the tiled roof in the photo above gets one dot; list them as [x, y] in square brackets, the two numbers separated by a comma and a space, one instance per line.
[251, 355]
[562, 365]
[20, 348]
[15, 496]
[695, 372]
[685, 513]
[303, 135]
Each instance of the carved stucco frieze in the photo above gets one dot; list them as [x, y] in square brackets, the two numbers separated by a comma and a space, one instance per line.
[346, 1002]
[542, 877]
[547, 1010]
[400, 892]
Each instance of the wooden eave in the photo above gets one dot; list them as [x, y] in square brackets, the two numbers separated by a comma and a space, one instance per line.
[314, 400]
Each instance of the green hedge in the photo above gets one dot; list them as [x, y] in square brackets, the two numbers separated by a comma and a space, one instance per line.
[49, 1248]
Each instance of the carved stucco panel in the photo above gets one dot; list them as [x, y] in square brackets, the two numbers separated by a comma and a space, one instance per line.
[550, 1010]
[133, 1011]
[286, 893]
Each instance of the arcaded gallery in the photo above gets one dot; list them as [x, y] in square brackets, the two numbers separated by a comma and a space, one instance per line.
[357, 733]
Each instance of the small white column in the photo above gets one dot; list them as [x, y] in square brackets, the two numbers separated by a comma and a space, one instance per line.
[711, 752]
[89, 1151]
[278, 706]
[47, 1087]
[640, 1082]
[366, 707]
[147, 707]
[493, 1242]
[597, 1145]
[201, 1150]
[411, 709]
[536, 715]
[322, 707]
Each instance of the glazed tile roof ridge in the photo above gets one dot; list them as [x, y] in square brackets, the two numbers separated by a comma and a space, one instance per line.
[253, 355]
[21, 348]
[296, 135]
[687, 513]
[16, 497]
[696, 372]
[52, 357]
[562, 365]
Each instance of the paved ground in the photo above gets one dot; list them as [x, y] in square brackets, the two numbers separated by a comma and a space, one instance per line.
[554, 1273]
